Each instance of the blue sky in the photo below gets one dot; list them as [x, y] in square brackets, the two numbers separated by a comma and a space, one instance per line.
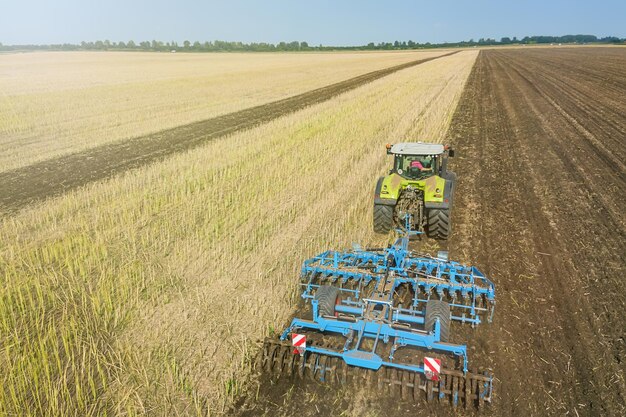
[338, 22]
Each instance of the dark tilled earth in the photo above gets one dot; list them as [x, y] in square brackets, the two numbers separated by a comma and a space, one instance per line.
[540, 207]
[24, 186]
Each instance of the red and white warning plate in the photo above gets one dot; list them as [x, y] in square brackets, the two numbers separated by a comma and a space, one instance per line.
[432, 368]
[299, 343]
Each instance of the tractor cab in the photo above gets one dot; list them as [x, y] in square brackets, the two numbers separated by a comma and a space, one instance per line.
[417, 160]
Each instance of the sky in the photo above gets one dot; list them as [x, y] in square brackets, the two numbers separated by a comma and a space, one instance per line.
[327, 22]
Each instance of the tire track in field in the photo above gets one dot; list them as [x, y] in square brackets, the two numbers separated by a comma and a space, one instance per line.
[37, 182]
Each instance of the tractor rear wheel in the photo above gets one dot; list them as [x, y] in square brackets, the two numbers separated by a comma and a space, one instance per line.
[326, 297]
[383, 218]
[439, 224]
[438, 310]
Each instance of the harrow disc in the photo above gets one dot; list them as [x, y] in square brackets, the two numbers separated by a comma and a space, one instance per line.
[454, 387]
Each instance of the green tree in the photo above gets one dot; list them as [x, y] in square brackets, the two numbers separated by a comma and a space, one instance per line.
[157, 45]
[186, 44]
[131, 44]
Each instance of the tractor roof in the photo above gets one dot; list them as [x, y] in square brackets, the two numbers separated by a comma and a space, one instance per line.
[417, 148]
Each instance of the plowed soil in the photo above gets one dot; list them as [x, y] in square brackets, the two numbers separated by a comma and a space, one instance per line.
[540, 207]
[543, 213]
[53, 177]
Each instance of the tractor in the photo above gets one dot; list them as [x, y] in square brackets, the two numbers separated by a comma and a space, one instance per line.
[418, 185]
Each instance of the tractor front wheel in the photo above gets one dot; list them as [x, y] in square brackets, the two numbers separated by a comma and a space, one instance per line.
[439, 224]
[383, 218]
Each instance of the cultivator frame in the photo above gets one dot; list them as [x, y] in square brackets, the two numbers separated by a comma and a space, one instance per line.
[370, 308]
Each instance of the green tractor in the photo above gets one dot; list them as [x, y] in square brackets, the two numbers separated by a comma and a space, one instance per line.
[418, 185]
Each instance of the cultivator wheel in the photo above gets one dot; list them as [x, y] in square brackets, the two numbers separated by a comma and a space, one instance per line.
[453, 387]
[437, 310]
[326, 297]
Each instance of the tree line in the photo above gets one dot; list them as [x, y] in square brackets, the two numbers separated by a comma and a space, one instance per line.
[224, 46]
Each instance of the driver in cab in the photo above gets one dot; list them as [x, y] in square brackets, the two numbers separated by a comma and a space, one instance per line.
[420, 165]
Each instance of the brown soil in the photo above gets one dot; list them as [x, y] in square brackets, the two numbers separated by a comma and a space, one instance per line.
[24, 186]
[540, 207]
[544, 216]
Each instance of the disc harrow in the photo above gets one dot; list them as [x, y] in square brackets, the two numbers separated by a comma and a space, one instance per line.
[471, 390]
[383, 317]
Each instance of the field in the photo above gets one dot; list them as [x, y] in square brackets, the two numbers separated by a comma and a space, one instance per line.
[53, 104]
[144, 291]
[543, 215]
[23, 186]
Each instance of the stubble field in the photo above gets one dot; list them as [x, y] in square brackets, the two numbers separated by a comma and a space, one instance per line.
[54, 104]
[146, 293]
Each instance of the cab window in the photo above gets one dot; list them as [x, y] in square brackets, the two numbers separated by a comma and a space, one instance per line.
[416, 166]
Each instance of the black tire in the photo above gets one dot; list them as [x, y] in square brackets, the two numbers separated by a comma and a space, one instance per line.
[438, 310]
[439, 224]
[383, 218]
[326, 297]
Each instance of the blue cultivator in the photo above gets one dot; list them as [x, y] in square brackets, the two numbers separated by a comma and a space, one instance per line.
[384, 315]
